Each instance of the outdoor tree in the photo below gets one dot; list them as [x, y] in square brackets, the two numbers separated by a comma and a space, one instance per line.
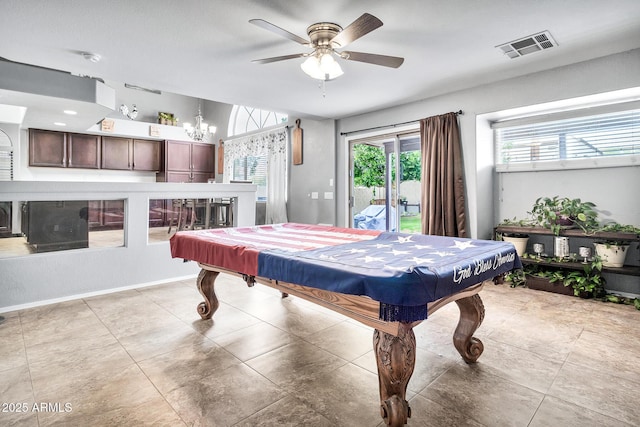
[369, 166]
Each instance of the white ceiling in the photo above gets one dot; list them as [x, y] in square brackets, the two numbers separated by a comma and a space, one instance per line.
[204, 48]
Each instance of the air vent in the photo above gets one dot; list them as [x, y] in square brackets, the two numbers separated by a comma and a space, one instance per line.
[527, 45]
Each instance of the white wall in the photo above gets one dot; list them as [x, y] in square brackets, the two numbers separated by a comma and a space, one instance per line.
[600, 75]
[315, 174]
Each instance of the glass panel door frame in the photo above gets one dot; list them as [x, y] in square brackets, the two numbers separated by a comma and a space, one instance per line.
[391, 142]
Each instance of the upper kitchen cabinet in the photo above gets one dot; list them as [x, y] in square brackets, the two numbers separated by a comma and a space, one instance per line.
[63, 150]
[187, 162]
[130, 154]
[146, 155]
[116, 153]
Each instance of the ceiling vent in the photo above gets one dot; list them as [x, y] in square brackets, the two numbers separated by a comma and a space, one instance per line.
[527, 45]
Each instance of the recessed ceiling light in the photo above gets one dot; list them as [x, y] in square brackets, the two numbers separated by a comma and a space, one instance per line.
[59, 124]
[70, 112]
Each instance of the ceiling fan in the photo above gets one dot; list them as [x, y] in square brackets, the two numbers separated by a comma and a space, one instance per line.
[324, 39]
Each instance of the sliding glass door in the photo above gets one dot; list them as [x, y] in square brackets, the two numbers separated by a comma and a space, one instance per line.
[384, 176]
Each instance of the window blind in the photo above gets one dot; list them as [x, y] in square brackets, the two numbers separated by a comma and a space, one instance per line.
[593, 136]
[6, 165]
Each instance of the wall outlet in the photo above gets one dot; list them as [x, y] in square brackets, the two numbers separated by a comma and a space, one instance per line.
[328, 195]
[314, 195]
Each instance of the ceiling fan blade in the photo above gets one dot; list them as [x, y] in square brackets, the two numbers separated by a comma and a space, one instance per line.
[279, 31]
[371, 58]
[278, 58]
[358, 28]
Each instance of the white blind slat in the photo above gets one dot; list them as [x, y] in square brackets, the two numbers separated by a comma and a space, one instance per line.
[611, 134]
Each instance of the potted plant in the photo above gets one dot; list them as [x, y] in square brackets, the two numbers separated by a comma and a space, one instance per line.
[557, 213]
[519, 240]
[546, 279]
[612, 253]
[589, 282]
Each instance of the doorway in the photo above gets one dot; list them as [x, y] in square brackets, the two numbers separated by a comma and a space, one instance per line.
[380, 198]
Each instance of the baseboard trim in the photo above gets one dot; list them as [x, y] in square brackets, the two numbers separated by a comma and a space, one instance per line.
[93, 294]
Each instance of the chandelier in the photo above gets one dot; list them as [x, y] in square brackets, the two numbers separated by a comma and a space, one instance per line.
[199, 131]
[321, 65]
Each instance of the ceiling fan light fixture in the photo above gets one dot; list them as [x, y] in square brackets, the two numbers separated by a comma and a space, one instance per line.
[324, 67]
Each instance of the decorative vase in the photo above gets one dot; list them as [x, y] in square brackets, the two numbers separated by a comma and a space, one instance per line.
[519, 242]
[612, 255]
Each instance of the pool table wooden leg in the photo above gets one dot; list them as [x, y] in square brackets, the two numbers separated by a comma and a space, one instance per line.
[471, 316]
[396, 358]
[205, 282]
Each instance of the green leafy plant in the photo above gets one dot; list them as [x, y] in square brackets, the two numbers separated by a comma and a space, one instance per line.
[516, 278]
[589, 281]
[557, 213]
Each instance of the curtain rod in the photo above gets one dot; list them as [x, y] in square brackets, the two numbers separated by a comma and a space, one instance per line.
[257, 132]
[457, 113]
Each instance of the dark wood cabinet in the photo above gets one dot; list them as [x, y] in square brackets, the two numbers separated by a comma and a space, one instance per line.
[60, 149]
[178, 156]
[84, 151]
[202, 157]
[116, 153]
[146, 155]
[47, 148]
[76, 150]
[187, 162]
[130, 154]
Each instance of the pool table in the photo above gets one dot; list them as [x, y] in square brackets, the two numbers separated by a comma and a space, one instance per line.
[388, 281]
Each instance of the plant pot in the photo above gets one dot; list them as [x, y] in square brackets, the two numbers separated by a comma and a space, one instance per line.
[543, 284]
[564, 221]
[519, 242]
[612, 255]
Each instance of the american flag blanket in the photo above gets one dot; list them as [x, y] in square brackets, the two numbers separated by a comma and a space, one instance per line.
[403, 272]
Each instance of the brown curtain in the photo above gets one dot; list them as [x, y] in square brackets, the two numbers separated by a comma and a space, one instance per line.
[442, 197]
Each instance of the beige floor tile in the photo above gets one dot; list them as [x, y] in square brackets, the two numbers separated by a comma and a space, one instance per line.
[254, 340]
[557, 412]
[224, 398]
[290, 365]
[347, 396]
[599, 391]
[12, 350]
[520, 366]
[477, 393]
[225, 320]
[345, 339]
[429, 366]
[288, 412]
[95, 391]
[601, 351]
[187, 365]
[161, 339]
[427, 413]
[76, 351]
[15, 387]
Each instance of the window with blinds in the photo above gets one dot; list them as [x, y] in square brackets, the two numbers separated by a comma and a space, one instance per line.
[254, 169]
[607, 135]
[6, 165]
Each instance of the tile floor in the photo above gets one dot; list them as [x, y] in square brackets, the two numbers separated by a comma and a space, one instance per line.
[143, 357]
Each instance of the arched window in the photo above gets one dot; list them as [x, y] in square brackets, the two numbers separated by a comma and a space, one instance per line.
[6, 157]
[245, 119]
[251, 166]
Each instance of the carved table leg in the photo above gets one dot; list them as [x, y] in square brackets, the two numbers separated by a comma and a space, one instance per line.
[471, 316]
[205, 282]
[396, 358]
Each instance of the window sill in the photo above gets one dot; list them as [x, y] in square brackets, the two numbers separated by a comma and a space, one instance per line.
[592, 163]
